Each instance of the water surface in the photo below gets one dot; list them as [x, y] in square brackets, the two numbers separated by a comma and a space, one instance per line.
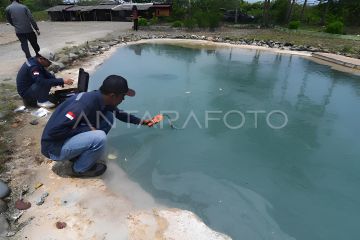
[253, 182]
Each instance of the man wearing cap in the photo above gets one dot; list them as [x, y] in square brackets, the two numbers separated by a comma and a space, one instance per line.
[20, 17]
[34, 82]
[77, 129]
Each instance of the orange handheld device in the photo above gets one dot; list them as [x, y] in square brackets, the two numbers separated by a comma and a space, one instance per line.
[158, 118]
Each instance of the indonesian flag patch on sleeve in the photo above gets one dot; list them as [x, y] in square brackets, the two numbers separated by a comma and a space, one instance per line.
[70, 115]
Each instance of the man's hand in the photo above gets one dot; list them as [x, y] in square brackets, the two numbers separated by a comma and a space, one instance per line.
[68, 81]
[151, 122]
[38, 32]
[147, 122]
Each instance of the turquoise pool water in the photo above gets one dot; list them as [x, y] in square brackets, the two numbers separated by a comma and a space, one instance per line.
[293, 173]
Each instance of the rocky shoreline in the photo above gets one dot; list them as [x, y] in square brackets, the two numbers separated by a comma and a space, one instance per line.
[71, 55]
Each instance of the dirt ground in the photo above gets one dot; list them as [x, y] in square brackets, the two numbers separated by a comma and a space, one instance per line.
[54, 36]
[109, 207]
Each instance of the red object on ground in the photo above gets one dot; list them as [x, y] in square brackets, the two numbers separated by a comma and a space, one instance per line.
[21, 205]
[60, 225]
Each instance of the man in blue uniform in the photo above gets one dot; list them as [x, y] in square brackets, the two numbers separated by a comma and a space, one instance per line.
[20, 17]
[77, 129]
[34, 82]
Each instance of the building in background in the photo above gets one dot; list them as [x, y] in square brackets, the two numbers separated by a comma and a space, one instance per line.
[107, 11]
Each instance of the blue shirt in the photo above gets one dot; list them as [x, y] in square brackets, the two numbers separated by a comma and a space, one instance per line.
[76, 115]
[33, 72]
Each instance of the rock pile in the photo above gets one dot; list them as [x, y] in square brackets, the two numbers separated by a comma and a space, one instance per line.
[67, 56]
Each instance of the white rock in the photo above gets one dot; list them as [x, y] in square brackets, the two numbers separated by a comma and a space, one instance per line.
[111, 156]
[20, 109]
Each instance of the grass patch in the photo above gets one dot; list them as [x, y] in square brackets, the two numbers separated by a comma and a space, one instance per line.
[4, 151]
[7, 105]
[333, 43]
[177, 24]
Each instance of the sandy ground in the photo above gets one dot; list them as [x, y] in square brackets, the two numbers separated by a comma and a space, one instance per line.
[54, 36]
[110, 207]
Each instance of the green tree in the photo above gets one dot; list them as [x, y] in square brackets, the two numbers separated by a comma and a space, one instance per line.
[291, 5]
[3, 4]
[266, 13]
[33, 5]
[280, 10]
[271, 11]
[303, 10]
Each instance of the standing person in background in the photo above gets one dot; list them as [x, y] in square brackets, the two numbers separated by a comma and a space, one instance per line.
[135, 15]
[20, 17]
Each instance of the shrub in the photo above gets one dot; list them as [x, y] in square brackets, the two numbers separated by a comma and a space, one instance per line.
[207, 19]
[336, 27]
[177, 24]
[214, 20]
[154, 20]
[41, 16]
[294, 24]
[168, 19]
[189, 23]
[347, 49]
[202, 20]
[142, 22]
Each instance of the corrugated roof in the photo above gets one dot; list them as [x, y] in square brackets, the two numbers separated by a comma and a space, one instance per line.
[128, 6]
[161, 6]
[80, 9]
[125, 6]
[104, 7]
[109, 2]
[59, 8]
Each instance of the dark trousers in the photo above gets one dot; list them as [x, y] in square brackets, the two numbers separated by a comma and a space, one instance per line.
[36, 93]
[24, 38]
[136, 24]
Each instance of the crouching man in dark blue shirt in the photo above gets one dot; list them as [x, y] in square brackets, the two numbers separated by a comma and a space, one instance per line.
[77, 129]
[34, 82]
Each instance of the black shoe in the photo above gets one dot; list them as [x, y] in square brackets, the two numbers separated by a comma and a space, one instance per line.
[97, 170]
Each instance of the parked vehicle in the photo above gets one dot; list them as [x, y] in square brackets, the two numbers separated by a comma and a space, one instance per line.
[230, 15]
